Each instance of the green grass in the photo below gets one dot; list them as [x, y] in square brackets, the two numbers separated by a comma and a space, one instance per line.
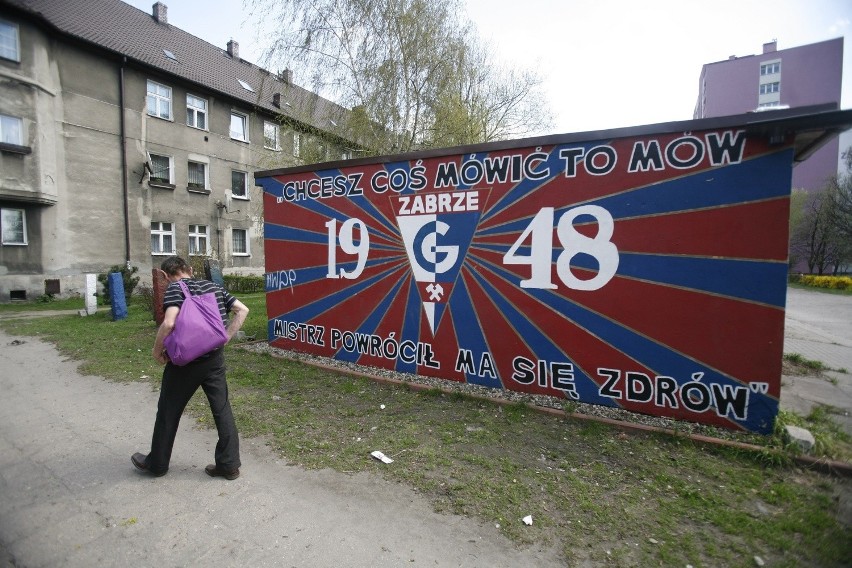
[45, 303]
[599, 493]
[805, 364]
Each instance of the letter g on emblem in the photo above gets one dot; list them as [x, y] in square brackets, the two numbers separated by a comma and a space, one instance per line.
[428, 254]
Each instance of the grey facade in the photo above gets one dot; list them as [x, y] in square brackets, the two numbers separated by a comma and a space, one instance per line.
[125, 139]
[800, 76]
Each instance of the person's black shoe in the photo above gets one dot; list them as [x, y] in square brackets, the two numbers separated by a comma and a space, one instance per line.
[214, 471]
[138, 460]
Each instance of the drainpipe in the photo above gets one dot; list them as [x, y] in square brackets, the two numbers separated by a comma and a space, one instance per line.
[124, 164]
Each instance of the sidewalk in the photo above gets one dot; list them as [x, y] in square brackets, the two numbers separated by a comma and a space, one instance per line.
[819, 327]
[70, 497]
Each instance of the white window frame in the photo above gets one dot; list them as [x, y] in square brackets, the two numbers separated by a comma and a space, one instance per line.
[770, 88]
[6, 131]
[271, 142]
[770, 68]
[196, 110]
[171, 168]
[245, 122]
[206, 166]
[159, 99]
[10, 34]
[297, 144]
[245, 194]
[160, 232]
[194, 234]
[23, 217]
[247, 241]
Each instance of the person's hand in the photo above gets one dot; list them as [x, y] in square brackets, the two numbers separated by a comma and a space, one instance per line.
[162, 357]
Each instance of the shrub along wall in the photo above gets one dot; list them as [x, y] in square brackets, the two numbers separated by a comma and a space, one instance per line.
[830, 282]
[237, 284]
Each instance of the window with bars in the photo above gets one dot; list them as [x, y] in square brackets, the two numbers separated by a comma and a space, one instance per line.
[13, 226]
[198, 240]
[196, 175]
[161, 169]
[196, 112]
[159, 100]
[162, 237]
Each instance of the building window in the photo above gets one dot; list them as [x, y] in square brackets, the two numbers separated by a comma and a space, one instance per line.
[198, 240]
[297, 144]
[159, 100]
[13, 226]
[770, 68]
[196, 112]
[768, 88]
[239, 184]
[245, 85]
[239, 126]
[197, 175]
[270, 136]
[11, 130]
[239, 242]
[161, 169]
[10, 47]
[162, 238]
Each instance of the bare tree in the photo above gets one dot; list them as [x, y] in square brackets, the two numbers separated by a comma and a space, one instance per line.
[414, 73]
[840, 189]
[816, 238]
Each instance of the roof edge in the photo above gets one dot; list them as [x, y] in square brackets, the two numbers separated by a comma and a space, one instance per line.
[774, 123]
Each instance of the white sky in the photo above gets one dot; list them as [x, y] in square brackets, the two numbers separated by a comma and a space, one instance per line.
[606, 63]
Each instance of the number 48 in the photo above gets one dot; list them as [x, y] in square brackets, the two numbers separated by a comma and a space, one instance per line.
[540, 233]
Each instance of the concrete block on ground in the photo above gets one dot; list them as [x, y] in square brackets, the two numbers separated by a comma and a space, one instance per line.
[89, 294]
[801, 437]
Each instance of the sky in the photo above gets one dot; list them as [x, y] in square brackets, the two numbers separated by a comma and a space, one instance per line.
[604, 63]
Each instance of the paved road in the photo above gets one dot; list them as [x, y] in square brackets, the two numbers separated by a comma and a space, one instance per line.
[819, 327]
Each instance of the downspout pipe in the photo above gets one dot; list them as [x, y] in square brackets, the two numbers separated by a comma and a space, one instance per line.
[124, 163]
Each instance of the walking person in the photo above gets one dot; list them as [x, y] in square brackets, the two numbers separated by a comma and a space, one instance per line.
[180, 382]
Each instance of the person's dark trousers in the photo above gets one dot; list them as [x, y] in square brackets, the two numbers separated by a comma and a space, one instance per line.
[179, 384]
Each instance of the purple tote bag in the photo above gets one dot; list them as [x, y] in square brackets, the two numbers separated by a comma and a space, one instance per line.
[198, 328]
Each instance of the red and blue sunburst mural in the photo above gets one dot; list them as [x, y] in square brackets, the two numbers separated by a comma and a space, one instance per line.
[646, 272]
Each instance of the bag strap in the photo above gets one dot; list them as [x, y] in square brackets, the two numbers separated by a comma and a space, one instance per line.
[184, 288]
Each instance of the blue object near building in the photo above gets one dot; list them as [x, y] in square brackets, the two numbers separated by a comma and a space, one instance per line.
[116, 296]
[212, 271]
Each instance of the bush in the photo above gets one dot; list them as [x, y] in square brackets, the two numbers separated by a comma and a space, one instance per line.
[236, 283]
[127, 275]
[828, 282]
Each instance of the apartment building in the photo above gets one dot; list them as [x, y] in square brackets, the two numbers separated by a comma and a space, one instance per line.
[124, 139]
[799, 76]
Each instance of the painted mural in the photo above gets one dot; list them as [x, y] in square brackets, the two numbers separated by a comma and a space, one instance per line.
[643, 272]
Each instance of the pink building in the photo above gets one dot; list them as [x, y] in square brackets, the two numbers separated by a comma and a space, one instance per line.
[796, 77]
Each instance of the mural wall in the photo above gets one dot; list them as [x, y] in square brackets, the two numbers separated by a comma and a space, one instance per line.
[643, 272]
